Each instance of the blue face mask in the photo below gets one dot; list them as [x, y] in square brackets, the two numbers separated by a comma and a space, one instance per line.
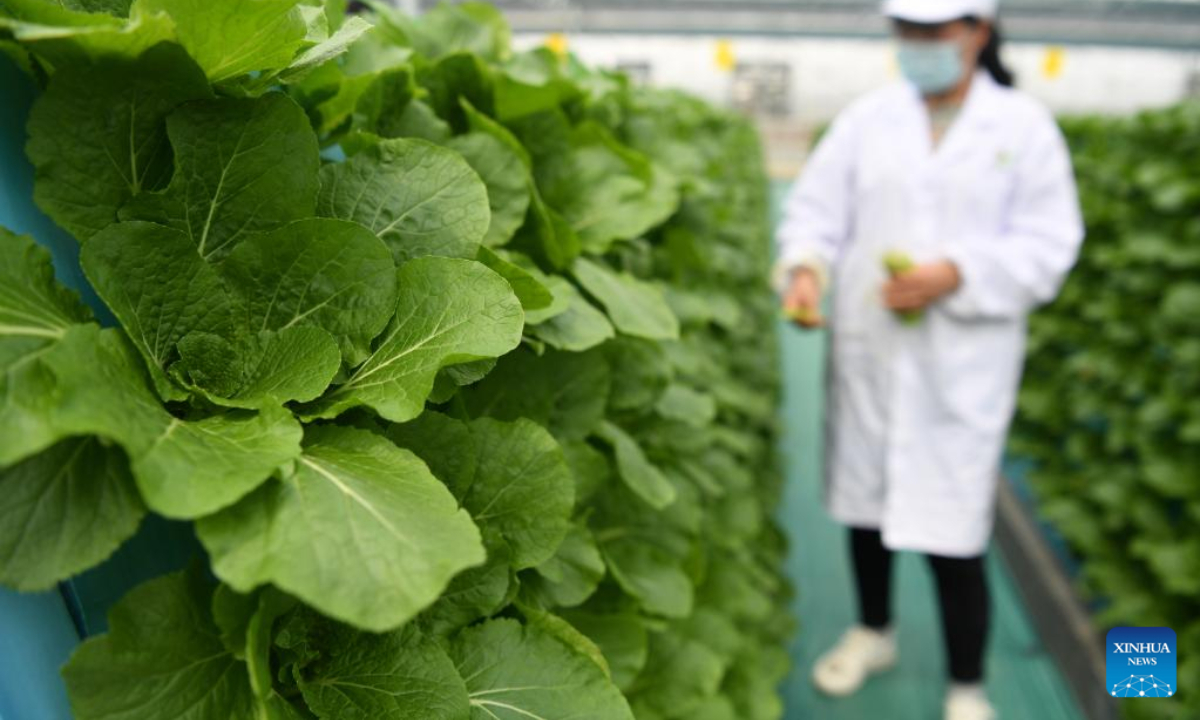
[934, 67]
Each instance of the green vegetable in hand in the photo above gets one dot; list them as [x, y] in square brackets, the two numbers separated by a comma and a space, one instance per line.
[800, 314]
[898, 262]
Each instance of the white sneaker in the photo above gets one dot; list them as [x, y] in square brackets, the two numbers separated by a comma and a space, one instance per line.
[968, 704]
[859, 653]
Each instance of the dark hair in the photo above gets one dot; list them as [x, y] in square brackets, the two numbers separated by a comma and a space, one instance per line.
[989, 58]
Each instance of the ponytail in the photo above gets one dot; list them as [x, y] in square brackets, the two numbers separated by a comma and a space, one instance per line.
[990, 60]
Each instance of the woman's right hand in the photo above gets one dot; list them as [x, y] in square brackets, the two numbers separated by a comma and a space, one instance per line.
[802, 302]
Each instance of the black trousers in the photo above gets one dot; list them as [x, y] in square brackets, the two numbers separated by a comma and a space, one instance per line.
[962, 595]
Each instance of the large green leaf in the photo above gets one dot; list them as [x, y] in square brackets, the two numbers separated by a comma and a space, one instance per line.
[639, 474]
[577, 328]
[62, 37]
[162, 657]
[398, 675]
[648, 552]
[254, 348]
[63, 511]
[229, 38]
[551, 679]
[474, 27]
[324, 51]
[32, 303]
[421, 199]
[605, 191]
[635, 306]
[565, 392]
[266, 369]
[522, 489]
[681, 674]
[640, 372]
[525, 281]
[479, 592]
[455, 81]
[417, 121]
[649, 574]
[572, 575]
[591, 468]
[621, 637]
[507, 179]
[241, 166]
[97, 135]
[161, 290]
[478, 122]
[534, 81]
[360, 530]
[332, 274]
[445, 445]
[195, 468]
[682, 403]
[92, 383]
[560, 299]
[546, 234]
[560, 629]
[39, 374]
[450, 311]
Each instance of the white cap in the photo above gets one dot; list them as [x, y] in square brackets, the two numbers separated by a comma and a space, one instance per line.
[938, 11]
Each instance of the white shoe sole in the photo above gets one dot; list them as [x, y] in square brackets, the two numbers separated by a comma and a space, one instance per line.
[976, 712]
[839, 687]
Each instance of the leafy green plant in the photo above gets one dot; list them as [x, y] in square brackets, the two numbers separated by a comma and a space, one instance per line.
[459, 360]
[1108, 409]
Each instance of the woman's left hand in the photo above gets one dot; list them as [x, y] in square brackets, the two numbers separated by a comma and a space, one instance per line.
[920, 287]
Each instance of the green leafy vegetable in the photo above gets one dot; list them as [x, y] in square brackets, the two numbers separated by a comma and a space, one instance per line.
[63, 511]
[361, 531]
[897, 263]
[635, 307]
[241, 166]
[161, 656]
[555, 680]
[229, 38]
[642, 477]
[161, 290]
[1107, 421]
[522, 489]
[449, 311]
[329, 274]
[97, 136]
[67, 37]
[395, 676]
[419, 198]
[459, 361]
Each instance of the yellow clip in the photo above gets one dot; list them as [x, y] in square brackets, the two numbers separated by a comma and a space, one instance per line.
[557, 42]
[725, 58]
[1052, 62]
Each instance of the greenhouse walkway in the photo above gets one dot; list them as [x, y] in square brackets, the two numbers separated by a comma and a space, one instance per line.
[1023, 681]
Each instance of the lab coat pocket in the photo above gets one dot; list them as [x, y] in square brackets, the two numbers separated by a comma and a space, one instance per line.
[978, 365]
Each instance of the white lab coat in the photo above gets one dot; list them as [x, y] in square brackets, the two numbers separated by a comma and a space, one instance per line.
[918, 415]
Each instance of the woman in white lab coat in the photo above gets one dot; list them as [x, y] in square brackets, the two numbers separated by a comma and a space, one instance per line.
[972, 181]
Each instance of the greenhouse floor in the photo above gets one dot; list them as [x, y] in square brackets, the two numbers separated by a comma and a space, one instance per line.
[1022, 679]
